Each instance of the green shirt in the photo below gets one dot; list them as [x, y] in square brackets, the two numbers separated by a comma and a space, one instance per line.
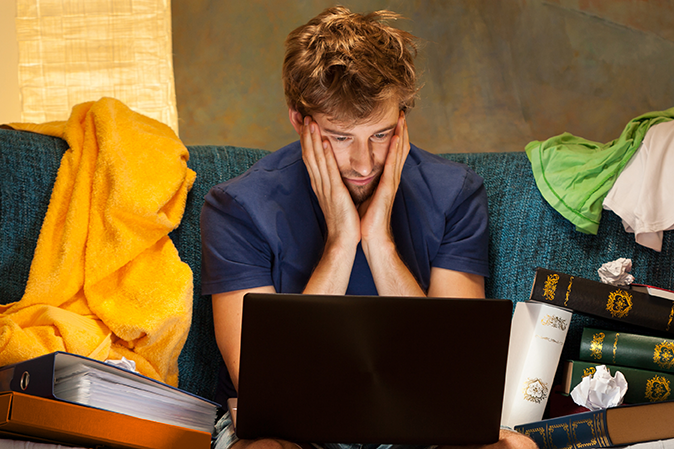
[574, 175]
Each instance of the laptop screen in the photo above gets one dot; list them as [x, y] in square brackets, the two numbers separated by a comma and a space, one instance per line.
[372, 369]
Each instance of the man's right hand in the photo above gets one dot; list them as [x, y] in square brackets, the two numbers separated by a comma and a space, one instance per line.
[341, 215]
[332, 273]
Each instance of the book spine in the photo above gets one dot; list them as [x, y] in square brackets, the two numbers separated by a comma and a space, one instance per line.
[58, 422]
[581, 430]
[642, 385]
[603, 300]
[626, 349]
[34, 376]
[537, 336]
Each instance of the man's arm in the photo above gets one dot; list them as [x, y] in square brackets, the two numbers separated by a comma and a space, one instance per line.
[391, 275]
[227, 312]
[455, 284]
[395, 279]
[331, 275]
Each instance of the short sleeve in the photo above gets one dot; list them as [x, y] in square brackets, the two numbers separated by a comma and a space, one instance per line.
[465, 244]
[235, 254]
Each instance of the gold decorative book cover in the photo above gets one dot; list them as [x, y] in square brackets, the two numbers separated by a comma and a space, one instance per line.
[627, 349]
[603, 300]
[618, 426]
[644, 385]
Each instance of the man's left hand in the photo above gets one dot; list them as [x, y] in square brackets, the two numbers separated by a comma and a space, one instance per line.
[375, 213]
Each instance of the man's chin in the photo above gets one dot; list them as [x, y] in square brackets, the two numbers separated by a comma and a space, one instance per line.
[361, 194]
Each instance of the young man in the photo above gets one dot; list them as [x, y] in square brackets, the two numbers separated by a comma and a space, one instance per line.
[353, 207]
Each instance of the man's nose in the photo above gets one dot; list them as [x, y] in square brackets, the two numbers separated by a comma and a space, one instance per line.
[361, 159]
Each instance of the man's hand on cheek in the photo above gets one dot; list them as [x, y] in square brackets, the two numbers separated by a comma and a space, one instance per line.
[340, 213]
[376, 219]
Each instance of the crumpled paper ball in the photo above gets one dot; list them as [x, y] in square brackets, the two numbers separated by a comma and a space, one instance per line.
[616, 272]
[600, 390]
[124, 363]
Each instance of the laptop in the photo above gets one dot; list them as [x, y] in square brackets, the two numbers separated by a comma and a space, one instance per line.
[372, 369]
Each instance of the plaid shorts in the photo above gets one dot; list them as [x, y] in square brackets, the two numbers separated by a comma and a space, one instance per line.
[225, 437]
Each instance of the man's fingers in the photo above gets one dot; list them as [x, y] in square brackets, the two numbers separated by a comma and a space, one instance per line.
[406, 138]
[309, 155]
[331, 163]
[403, 143]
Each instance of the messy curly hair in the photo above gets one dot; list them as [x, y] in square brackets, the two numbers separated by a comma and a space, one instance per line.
[348, 65]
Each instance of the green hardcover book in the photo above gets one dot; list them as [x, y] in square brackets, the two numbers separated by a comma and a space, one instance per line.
[603, 300]
[625, 349]
[642, 385]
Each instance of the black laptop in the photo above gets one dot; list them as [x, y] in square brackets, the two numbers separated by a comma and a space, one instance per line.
[372, 369]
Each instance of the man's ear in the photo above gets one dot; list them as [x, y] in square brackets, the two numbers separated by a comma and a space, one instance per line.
[296, 120]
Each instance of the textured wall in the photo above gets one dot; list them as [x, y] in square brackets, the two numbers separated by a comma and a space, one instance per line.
[497, 74]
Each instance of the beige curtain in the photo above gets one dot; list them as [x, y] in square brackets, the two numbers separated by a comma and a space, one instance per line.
[73, 51]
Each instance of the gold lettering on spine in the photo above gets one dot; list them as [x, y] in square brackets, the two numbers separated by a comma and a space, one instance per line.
[619, 303]
[657, 389]
[663, 355]
[603, 439]
[597, 345]
[550, 286]
[568, 291]
[671, 316]
[615, 345]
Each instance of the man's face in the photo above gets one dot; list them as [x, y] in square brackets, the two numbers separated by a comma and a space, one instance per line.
[361, 149]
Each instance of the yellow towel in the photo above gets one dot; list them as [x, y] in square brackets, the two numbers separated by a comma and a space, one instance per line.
[106, 281]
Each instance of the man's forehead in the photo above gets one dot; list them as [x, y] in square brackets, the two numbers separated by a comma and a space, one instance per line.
[380, 122]
[355, 128]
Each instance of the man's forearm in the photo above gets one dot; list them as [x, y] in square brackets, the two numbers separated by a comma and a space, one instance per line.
[331, 275]
[391, 275]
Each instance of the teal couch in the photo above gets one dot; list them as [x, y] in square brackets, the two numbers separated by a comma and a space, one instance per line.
[525, 233]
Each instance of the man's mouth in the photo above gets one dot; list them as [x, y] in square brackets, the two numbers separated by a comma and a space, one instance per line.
[360, 181]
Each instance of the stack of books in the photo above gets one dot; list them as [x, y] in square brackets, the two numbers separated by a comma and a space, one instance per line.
[647, 362]
[64, 398]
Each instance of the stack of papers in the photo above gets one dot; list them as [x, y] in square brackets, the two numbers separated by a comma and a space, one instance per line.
[134, 395]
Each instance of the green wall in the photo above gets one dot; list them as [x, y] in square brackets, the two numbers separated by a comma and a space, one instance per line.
[496, 73]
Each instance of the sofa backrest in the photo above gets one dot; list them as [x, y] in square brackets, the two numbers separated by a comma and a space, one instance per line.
[525, 232]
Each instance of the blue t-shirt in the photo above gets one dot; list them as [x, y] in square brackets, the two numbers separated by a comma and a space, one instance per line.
[266, 227]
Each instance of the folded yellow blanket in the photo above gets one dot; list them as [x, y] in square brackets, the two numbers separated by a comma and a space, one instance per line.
[106, 281]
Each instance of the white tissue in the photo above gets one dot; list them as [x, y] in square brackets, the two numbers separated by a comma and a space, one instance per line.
[616, 272]
[124, 363]
[601, 390]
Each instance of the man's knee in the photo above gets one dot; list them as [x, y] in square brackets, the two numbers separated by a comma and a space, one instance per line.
[266, 443]
[513, 440]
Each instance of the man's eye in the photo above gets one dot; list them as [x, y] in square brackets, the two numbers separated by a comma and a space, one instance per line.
[341, 138]
[379, 136]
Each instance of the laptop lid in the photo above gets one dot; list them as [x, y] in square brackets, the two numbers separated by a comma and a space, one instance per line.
[372, 369]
